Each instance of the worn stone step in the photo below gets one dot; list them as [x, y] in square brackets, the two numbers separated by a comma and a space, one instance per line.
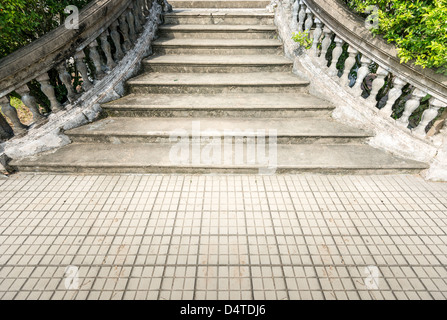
[219, 4]
[229, 105]
[211, 83]
[219, 16]
[153, 130]
[218, 31]
[218, 63]
[164, 158]
[217, 46]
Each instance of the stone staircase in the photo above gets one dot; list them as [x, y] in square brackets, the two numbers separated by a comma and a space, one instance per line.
[217, 65]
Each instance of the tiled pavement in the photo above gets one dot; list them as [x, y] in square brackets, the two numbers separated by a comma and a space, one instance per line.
[222, 237]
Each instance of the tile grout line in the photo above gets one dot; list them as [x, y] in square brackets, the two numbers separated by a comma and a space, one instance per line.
[170, 240]
[108, 250]
[276, 236]
[139, 247]
[250, 271]
[200, 236]
[305, 241]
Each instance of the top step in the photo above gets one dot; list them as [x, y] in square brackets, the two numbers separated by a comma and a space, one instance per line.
[219, 17]
[218, 4]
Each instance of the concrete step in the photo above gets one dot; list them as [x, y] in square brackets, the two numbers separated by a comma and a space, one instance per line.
[219, 17]
[164, 158]
[218, 63]
[211, 83]
[160, 130]
[228, 105]
[217, 46]
[218, 31]
[219, 4]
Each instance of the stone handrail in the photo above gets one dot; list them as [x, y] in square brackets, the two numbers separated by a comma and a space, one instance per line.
[108, 30]
[334, 23]
[351, 28]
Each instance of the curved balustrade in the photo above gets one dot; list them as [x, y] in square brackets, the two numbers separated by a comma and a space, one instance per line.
[108, 29]
[336, 32]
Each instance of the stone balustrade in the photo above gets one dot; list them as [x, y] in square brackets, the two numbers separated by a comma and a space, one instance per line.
[108, 30]
[368, 62]
[362, 76]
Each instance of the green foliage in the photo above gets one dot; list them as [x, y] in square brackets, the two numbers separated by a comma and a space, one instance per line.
[22, 21]
[303, 38]
[418, 28]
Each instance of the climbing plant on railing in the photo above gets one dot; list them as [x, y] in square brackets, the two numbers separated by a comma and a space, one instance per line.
[303, 39]
[418, 28]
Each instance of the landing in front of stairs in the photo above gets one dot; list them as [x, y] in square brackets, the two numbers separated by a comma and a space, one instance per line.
[223, 237]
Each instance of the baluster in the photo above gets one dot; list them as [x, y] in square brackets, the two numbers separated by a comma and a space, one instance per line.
[393, 95]
[294, 24]
[377, 85]
[325, 46]
[144, 8]
[5, 129]
[309, 21]
[336, 53]
[94, 55]
[30, 102]
[428, 116]
[138, 9]
[410, 106]
[136, 16]
[438, 125]
[105, 46]
[11, 113]
[119, 54]
[48, 90]
[67, 81]
[131, 24]
[349, 64]
[317, 35]
[124, 28]
[301, 16]
[438, 134]
[82, 67]
[150, 4]
[361, 75]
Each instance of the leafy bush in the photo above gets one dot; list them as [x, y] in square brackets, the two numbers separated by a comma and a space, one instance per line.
[303, 38]
[22, 21]
[418, 28]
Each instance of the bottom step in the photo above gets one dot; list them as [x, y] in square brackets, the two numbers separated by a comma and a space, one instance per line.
[158, 158]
